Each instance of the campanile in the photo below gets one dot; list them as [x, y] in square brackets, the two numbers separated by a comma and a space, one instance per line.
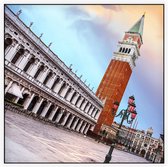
[118, 73]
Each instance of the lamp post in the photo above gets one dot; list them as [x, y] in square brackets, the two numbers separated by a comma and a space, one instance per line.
[125, 114]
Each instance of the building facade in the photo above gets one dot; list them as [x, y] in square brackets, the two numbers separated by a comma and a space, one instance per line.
[148, 147]
[37, 80]
[117, 75]
[136, 141]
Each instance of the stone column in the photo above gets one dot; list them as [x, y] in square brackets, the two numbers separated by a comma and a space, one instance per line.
[65, 91]
[53, 113]
[59, 116]
[28, 101]
[79, 126]
[70, 94]
[83, 105]
[84, 125]
[79, 102]
[44, 112]
[37, 106]
[86, 128]
[25, 60]
[69, 124]
[42, 77]
[91, 110]
[58, 86]
[75, 123]
[87, 108]
[96, 114]
[8, 87]
[75, 98]
[51, 81]
[36, 64]
[17, 99]
[65, 119]
[12, 51]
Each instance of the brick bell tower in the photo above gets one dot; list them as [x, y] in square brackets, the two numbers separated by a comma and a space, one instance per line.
[117, 75]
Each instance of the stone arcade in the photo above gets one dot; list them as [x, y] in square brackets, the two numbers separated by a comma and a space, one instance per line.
[39, 81]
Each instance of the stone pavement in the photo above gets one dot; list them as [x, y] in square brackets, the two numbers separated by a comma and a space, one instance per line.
[29, 140]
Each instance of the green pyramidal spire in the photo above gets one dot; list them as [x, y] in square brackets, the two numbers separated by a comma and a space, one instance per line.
[138, 26]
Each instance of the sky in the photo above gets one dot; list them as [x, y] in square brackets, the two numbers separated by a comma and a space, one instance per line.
[86, 37]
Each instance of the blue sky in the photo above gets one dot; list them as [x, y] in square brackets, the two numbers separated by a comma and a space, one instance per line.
[87, 35]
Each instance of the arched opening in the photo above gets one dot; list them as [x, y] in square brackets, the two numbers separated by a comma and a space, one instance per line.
[41, 68]
[120, 49]
[129, 50]
[33, 103]
[47, 78]
[21, 101]
[126, 50]
[10, 97]
[8, 42]
[56, 114]
[73, 96]
[123, 50]
[62, 88]
[55, 83]
[148, 155]
[30, 62]
[142, 153]
[17, 56]
[44, 103]
[67, 93]
[49, 111]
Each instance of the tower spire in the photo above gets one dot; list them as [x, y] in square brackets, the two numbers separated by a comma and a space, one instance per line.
[138, 26]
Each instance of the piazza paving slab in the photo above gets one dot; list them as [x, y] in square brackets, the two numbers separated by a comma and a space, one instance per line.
[31, 141]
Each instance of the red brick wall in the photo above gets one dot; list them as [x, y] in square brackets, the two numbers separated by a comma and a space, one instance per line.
[112, 87]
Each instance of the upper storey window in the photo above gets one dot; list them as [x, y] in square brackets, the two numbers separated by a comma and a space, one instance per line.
[17, 56]
[8, 42]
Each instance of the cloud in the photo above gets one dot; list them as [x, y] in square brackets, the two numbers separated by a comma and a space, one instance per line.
[112, 7]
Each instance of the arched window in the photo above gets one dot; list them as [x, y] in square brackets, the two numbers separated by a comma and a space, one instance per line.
[120, 49]
[47, 78]
[18, 55]
[39, 71]
[123, 50]
[30, 62]
[126, 50]
[8, 42]
[129, 50]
